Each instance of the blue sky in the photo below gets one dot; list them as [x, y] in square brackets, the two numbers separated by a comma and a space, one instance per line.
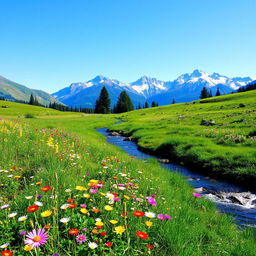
[49, 44]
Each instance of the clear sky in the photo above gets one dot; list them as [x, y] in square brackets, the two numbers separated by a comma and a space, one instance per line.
[48, 44]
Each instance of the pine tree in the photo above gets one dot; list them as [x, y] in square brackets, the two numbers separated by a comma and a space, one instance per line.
[173, 101]
[124, 103]
[210, 93]
[146, 105]
[204, 93]
[102, 104]
[218, 92]
[31, 100]
[153, 104]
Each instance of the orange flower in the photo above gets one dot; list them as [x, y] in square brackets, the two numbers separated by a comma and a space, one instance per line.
[73, 231]
[70, 200]
[142, 235]
[32, 208]
[95, 210]
[138, 214]
[45, 188]
[47, 226]
[94, 231]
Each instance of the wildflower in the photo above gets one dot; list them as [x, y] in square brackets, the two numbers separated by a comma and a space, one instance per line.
[23, 233]
[80, 239]
[22, 218]
[64, 206]
[113, 222]
[47, 226]
[80, 188]
[163, 216]
[73, 231]
[45, 188]
[151, 200]
[93, 191]
[99, 223]
[95, 231]
[109, 244]
[138, 214]
[12, 215]
[3, 246]
[83, 211]
[70, 200]
[119, 230]
[65, 220]
[197, 195]
[142, 235]
[95, 210]
[86, 196]
[103, 233]
[28, 197]
[5, 206]
[149, 223]
[73, 205]
[28, 248]
[150, 246]
[6, 253]
[68, 190]
[46, 214]
[32, 208]
[92, 245]
[36, 238]
[108, 208]
[38, 203]
[150, 215]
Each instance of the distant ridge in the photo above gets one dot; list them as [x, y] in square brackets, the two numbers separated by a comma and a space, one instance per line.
[185, 88]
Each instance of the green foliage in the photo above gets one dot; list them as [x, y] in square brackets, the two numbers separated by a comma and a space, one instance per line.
[102, 105]
[124, 103]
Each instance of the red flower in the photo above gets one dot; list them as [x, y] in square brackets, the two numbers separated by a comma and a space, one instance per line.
[73, 231]
[142, 235]
[47, 226]
[6, 253]
[70, 200]
[150, 246]
[32, 208]
[73, 205]
[138, 214]
[45, 188]
[103, 233]
[109, 244]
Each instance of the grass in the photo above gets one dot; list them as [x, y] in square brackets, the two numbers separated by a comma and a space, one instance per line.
[226, 149]
[64, 151]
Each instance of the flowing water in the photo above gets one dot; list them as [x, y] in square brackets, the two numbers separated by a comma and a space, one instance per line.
[231, 199]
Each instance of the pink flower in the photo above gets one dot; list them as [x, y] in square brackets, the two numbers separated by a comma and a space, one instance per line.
[196, 195]
[81, 239]
[164, 216]
[151, 200]
[36, 238]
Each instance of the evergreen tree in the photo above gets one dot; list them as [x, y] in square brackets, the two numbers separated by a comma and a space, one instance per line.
[153, 104]
[173, 101]
[146, 105]
[210, 93]
[31, 100]
[218, 92]
[204, 93]
[102, 104]
[139, 107]
[124, 103]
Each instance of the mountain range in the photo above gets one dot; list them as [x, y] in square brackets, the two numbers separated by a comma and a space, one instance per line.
[14, 91]
[186, 87]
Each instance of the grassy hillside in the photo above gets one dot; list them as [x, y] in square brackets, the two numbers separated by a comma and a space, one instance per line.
[12, 90]
[215, 135]
[58, 163]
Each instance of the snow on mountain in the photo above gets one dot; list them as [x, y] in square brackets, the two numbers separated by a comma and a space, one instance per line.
[186, 87]
[148, 86]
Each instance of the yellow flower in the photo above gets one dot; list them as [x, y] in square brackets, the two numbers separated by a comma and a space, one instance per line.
[99, 223]
[80, 188]
[39, 183]
[17, 177]
[28, 248]
[92, 182]
[83, 211]
[113, 222]
[86, 195]
[119, 230]
[149, 223]
[46, 214]
[126, 197]
[108, 208]
[103, 194]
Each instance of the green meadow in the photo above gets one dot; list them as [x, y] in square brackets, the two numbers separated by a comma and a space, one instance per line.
[215, 135]
[59, 163]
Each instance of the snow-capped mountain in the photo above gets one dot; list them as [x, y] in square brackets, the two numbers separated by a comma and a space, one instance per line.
[148, 86]
[186, 87]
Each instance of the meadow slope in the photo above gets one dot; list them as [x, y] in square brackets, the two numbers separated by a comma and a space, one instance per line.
[62, 165]
[216, 135]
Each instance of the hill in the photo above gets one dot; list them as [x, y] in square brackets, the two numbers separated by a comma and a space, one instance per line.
[215, 135]
[14, 91]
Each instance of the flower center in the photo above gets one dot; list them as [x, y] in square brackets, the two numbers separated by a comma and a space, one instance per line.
[36, 238]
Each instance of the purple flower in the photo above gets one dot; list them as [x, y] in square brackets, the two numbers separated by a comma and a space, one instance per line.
[80, 239]
[55, 254]
[163, 216]
[84, 229]
[36, 238]
[23, 233]
[196, 195]
[3, 207]
[93, 191]
[151, 200]
[39, 196]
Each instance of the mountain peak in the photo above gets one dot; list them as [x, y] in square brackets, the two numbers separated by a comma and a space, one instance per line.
[197, 73]
[99, 78]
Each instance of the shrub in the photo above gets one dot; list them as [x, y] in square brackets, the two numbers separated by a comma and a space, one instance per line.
[29, 115]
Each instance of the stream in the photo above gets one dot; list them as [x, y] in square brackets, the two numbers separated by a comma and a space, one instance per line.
[230, 199]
